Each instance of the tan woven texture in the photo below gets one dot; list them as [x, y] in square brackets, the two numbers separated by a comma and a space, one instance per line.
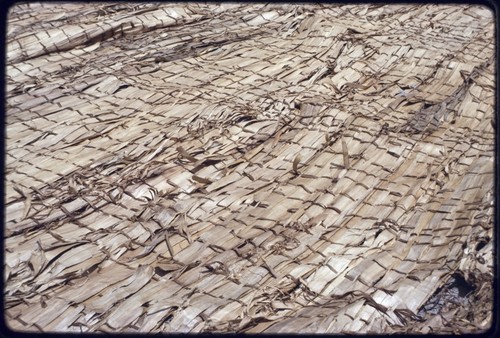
[248, 167]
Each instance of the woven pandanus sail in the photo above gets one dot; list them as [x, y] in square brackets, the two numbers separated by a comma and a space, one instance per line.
[249, 168]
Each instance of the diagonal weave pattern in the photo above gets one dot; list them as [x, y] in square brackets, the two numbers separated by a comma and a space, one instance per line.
[246, 167]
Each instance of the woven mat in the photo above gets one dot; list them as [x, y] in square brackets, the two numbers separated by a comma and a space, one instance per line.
[248, 167]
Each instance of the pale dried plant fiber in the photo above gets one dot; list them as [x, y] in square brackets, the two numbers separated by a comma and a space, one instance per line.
[248, 167]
